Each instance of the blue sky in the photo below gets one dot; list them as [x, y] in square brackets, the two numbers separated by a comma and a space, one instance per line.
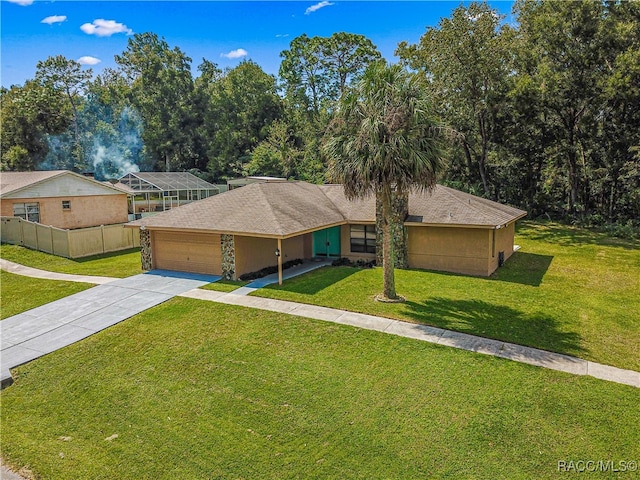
[222, 32]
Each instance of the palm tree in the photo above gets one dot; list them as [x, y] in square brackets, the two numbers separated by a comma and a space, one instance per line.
[384, 141]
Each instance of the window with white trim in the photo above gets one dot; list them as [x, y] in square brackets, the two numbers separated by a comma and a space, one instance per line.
[363, 238]
[66, 204]
[27, 211]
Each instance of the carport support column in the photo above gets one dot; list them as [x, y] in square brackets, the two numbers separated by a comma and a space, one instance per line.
[145, 249]
[228, 257]
[280, 261]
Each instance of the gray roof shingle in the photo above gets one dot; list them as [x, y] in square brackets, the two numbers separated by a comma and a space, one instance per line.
[282, 209]
[11, 181]
[15, 181]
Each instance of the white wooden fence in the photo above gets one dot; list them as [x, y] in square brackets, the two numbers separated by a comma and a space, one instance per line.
[77, 243]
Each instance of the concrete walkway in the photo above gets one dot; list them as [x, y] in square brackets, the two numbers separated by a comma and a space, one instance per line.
[294, 271]
[164, 284]
[47, 328]
[18, 269]
[518, 353]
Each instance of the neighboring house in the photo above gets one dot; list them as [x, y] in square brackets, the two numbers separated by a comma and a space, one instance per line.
[241, 182]
[160, 191]
[239, 231]
[61, 198]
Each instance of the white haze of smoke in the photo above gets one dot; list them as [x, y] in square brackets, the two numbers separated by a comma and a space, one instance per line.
[101, 155]
[112, 151]
[117, 159]
[130, 128]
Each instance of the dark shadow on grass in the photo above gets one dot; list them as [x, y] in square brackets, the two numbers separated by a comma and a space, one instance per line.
[567, 235]
[524, 268]
[105, 255]
[499, 322]
[314, 281]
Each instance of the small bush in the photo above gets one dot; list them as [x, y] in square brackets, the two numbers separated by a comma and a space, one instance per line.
[630, 230]
[341, 262]
[345, 262]
[269, 270]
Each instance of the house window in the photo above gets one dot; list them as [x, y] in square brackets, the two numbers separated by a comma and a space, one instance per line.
[363, 238]
[66, 204]
[27, 211]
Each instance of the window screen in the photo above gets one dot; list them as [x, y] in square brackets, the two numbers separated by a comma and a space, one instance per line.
[363, 238]
[27, 211]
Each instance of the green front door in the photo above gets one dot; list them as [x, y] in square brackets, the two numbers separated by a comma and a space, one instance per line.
[326, 243]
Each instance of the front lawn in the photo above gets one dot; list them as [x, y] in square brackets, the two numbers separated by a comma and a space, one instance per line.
[21, 293]
[224, 285]
[567, 290]
[191, 389]
[116, 264]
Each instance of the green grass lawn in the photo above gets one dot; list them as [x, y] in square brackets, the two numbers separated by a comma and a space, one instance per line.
[19, 293]
[567, 290]
[117, 264]
[191, 389]
[224, 285]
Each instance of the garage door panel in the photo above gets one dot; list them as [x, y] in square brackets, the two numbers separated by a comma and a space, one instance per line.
[188, 252]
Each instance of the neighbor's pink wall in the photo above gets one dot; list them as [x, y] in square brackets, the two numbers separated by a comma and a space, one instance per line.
[85, 211]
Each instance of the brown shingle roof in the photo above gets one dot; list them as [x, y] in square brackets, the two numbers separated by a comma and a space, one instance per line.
[284, 209]
[11, 181]
[448, 206]
[271, 209]
[122, 187]
[356, 210]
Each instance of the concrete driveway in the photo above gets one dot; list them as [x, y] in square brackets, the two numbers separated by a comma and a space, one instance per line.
[44, 329]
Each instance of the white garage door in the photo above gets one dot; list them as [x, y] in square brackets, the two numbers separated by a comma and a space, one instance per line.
[187, 252]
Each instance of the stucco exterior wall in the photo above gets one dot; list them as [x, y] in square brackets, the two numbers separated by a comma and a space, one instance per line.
[85, 211]
[345, 246]
[307, 245]
[458, 250]
[503, 243]
[254, 253]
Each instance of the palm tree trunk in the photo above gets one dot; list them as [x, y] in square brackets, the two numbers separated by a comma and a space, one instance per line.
[387, 246]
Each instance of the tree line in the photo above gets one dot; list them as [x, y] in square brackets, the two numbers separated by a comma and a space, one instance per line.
[545, 110]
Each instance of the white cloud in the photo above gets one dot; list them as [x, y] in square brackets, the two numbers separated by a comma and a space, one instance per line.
[318, 6]
[282, 35]
[87, 60]
[238, 53]
[54, 19]
[105, 28]
[24, 3]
